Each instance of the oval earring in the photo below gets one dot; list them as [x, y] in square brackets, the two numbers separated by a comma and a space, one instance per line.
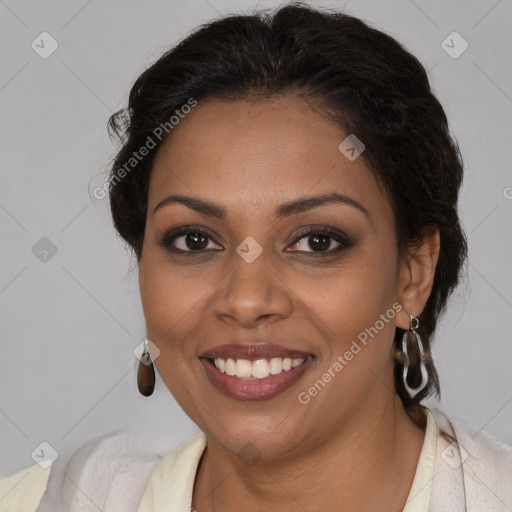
[146, 372]
[413, 391]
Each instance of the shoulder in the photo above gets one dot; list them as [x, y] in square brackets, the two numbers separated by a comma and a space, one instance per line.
[475, 441]
[109, 473]
[470, 460]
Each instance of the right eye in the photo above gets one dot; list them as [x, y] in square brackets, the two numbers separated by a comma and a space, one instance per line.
[189, 240]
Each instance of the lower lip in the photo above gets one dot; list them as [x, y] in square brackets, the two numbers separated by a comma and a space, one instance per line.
[261, 389]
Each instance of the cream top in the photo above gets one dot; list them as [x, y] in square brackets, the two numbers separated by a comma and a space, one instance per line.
[171, 485]
[22, 491]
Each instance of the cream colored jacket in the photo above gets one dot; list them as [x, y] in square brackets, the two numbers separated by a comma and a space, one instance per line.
[460, 469]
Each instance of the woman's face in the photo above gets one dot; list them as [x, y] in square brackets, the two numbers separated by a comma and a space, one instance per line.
[253, 276]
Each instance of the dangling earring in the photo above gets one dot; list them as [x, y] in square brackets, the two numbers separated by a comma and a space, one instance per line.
[146, 372]
[413, 326]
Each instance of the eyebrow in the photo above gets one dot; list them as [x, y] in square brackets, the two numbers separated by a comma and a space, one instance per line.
[284, 210]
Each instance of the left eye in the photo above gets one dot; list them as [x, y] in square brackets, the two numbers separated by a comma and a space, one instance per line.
[320, 242]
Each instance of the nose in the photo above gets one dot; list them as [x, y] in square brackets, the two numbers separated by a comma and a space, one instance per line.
[252, 293]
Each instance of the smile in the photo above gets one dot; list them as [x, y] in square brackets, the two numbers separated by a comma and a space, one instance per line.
[254, 369]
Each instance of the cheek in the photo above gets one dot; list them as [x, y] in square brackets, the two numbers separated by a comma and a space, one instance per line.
[171, 305]
[355, 293]
[172, 299]
[353, 307]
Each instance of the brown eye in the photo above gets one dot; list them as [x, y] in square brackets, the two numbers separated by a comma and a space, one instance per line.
[325, 241]
[188, 241]
[192, 241]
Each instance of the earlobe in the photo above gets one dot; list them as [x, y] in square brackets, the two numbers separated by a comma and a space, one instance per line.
[417, 276]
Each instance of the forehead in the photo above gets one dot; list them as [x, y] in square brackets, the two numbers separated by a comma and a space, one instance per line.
[260, 152]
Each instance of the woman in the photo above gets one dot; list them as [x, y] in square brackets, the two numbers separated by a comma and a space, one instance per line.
[289, 187]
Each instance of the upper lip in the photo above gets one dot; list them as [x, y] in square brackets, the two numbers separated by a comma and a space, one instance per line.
[252, 351]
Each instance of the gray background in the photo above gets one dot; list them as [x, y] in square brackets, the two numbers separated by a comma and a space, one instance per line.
[69, 325]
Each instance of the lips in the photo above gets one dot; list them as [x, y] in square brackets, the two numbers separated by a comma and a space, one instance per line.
[257, 389]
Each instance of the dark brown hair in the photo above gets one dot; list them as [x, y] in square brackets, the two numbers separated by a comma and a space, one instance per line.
[361, 78]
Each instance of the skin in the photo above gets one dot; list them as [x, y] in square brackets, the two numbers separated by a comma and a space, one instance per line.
[352, 447]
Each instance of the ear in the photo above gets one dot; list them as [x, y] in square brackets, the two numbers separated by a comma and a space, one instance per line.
[416, 277]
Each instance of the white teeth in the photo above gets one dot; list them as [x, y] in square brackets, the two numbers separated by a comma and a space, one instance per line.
[258, 369]
[230, 367]
[243, 368]
[276, 365]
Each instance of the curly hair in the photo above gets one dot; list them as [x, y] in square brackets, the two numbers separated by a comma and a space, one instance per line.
[362, 79]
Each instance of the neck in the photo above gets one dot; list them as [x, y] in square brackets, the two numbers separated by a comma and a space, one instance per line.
[370, 468]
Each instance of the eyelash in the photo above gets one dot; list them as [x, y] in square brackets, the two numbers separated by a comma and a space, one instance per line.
[345, 243]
